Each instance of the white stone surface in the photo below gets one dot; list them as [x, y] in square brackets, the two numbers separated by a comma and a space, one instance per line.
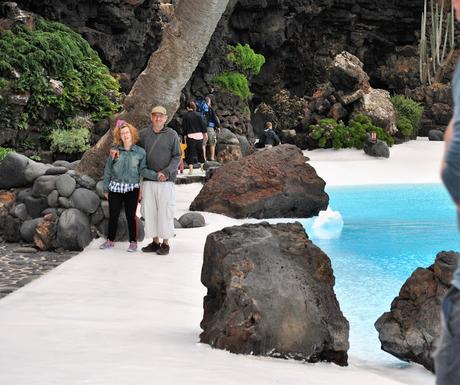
[108, 317]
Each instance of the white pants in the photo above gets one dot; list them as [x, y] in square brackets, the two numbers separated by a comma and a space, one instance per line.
[158, 207]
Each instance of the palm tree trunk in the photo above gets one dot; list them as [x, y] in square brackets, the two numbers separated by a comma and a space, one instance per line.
[168, 70]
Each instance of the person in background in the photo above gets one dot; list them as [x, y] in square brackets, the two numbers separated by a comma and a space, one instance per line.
[268, 137]
[122, 181]
[213, 126]
[183, 147]
[194, 131]
[447, 355]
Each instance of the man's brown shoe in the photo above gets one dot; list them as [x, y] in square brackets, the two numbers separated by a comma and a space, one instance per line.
[151, 247]
[163, 250]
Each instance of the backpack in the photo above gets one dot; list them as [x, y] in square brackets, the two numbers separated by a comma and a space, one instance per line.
[202, 108]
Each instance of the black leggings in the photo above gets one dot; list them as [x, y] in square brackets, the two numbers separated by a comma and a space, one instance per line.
[194, 150]
[130, 200]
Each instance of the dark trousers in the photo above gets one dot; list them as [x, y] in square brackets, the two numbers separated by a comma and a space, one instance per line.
[194, 151]
[447, 355]
[129, 200]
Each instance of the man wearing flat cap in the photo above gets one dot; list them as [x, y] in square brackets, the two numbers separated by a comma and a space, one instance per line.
[161, 143]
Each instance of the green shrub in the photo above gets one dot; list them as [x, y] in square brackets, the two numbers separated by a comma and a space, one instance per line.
[36, 157]
[245, 59]
[330, 133]
[53, 51]
[404, 126]
[408, 111]
[247, 63]
[235, 83]
[4, 151]
[324, 132]
[70, 141]
[361, 125]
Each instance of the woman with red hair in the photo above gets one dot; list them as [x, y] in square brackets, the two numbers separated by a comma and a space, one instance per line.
[122, 176]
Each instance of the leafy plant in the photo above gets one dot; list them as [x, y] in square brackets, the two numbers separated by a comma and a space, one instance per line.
[36, 157]
[70, 141]
[330, 133]
[361, 125]
[245, 59]
[235, 83]
[4, 151]
[404, 126]
[410, 114]
[51, 52]
[324, 132]
[247, 63]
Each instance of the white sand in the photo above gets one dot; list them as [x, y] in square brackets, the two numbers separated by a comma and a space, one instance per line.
[113, 318]
[412, 162]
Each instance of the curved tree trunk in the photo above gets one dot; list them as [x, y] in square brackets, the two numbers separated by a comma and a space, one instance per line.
[168, 70]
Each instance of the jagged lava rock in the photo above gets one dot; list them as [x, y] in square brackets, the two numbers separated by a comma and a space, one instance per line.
[271, 183]
[270, 292]
[411, 328]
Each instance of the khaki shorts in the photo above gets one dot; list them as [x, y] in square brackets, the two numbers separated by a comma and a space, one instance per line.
[211, 136]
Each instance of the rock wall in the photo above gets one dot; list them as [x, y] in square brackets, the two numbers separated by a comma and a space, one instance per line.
[51, 206]
[299, 38]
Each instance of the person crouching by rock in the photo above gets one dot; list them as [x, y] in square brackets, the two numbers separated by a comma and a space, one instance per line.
[194, 130]
[268, 137]
[122, 176]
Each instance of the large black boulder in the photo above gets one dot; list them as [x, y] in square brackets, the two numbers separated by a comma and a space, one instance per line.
[12, 171]
[270, 292]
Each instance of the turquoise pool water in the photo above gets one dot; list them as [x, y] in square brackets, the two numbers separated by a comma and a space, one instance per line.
[388, 231]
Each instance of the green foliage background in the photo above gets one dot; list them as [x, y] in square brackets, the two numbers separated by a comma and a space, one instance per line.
[4, 151]
[247, 63]
[330, 133]
[245, 58]
[30, 58]
[235, 83]
[410, 114]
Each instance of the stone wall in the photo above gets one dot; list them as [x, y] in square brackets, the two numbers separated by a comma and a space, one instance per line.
[50, 206]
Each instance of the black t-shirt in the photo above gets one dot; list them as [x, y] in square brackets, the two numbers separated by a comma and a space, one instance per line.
[192, 122]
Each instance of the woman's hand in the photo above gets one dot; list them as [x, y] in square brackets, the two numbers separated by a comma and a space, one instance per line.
[114, 153]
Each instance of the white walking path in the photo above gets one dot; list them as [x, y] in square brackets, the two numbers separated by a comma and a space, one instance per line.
[108, 317]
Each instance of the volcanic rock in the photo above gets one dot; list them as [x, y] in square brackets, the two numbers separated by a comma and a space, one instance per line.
[270, 292]
[271, 183]
[412, 326]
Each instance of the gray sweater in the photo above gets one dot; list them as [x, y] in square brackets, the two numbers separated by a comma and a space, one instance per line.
[163, 150]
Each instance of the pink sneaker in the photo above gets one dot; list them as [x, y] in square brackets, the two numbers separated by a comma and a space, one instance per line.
[132, 247]
[107, 245]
